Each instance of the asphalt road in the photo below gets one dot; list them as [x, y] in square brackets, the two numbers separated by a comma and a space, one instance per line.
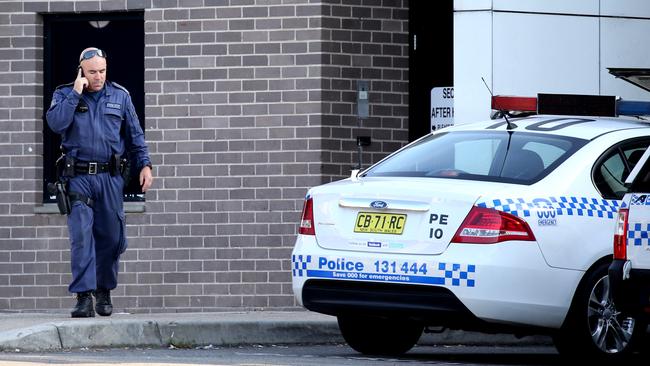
[314, 355]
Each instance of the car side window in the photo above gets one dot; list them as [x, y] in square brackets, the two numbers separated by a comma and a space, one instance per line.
[611, 171]
[642, 183]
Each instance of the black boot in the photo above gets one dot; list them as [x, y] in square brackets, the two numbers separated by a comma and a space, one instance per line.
[103, 305]
[84, 307]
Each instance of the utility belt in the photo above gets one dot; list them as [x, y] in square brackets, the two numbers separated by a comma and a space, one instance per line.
[68, 167]
[93, 167]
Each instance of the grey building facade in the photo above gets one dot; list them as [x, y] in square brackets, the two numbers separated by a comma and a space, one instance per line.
[247, 104]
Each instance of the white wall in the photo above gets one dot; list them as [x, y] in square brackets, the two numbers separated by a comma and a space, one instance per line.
[472, 60]
[624, 43]
[584, 7]
[525, 47]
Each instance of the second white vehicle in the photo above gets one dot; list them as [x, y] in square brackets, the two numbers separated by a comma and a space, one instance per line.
[499, 226]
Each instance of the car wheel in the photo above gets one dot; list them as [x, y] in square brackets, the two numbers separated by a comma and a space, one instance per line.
[593, 327]
[376, 336]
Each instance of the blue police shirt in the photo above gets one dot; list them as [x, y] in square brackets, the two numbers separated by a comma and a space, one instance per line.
[94, 134]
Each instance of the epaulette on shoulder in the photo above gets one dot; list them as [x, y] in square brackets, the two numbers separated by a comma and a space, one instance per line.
[120, 87]
[64, 85]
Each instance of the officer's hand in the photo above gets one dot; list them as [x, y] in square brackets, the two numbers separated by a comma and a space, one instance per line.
[80, 82]
[146, 178]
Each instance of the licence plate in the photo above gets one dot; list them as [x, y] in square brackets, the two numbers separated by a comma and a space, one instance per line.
[380, 223]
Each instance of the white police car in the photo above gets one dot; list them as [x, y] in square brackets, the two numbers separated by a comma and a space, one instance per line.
[499, 226]
[629, 273]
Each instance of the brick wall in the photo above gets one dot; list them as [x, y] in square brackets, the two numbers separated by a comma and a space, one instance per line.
[365, 41]
[248, 104]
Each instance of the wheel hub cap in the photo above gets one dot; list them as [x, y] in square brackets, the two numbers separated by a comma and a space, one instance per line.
[611, 331]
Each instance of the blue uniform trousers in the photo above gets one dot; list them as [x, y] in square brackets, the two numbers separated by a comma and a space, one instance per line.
[98, 233]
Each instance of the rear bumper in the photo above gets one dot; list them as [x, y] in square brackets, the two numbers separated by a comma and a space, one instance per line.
[507, 283]
[424, 304]
[631, 295]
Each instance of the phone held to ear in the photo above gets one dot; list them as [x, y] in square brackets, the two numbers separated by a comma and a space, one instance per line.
[84, 83]
[81, 106]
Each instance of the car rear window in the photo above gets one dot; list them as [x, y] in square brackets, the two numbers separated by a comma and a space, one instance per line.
[499, 156]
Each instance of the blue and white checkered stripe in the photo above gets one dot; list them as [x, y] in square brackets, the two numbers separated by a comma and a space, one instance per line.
[515, 206]
[567, 206]
[300, 263]
[639, 200]
[458, 275]
[637, 234]
[441, 273]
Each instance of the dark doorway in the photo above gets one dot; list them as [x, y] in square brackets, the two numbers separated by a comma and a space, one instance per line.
[121, 35]
[431, 58]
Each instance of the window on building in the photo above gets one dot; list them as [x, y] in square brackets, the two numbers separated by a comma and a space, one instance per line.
[121, 35]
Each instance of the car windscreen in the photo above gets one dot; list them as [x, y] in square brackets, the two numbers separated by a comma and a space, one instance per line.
[497, 156]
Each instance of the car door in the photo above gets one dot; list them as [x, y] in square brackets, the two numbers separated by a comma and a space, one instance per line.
[638, 201]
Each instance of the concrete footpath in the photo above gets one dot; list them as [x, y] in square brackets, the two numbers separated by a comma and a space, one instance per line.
[30, 332]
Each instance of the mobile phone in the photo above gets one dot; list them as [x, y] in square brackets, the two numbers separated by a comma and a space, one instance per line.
[82, 71]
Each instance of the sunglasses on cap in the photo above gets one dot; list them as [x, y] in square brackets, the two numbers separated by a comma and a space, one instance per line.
[92, 53]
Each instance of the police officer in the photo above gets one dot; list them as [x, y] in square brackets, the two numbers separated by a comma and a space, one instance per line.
[98, 126]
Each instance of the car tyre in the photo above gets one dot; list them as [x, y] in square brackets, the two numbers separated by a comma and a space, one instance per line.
[594, 328]
[378, 336]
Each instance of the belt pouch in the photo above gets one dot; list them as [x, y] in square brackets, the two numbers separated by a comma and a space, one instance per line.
[114, 165]
[68, 166]
[125, 170]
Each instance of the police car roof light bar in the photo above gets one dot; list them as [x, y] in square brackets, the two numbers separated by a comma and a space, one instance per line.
[632, 108]
[576, 105]
[572, 104]
[512, 103]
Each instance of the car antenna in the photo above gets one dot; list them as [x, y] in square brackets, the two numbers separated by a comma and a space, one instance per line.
[509, 125]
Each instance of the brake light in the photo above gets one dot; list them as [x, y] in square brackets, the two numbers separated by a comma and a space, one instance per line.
[307, 218]
[489, 226]
[620, 234]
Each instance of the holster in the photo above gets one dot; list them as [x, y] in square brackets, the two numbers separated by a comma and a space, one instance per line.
[62, 198]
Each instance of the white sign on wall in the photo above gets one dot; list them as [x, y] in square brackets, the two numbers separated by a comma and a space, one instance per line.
[442, 107]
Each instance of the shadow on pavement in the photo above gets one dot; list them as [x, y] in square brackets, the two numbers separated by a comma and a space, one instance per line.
[498, 355]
